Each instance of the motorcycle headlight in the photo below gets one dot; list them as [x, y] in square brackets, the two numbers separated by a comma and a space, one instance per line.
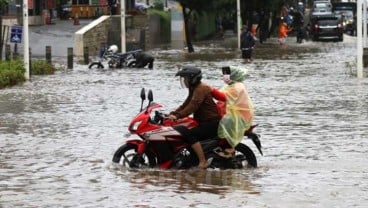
[136, 125]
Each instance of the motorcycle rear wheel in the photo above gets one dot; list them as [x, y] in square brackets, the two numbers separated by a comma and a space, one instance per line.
[247, 155]
[132, 64]
[127, 156]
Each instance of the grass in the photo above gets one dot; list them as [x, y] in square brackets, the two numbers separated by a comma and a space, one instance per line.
[12, 72]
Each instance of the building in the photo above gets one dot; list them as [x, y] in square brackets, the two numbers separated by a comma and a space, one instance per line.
[46, 11]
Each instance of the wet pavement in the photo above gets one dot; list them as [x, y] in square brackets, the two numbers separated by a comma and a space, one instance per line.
[58, 133]
[60, 36]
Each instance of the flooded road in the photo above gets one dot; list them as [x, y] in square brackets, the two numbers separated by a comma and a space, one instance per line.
[58, 134]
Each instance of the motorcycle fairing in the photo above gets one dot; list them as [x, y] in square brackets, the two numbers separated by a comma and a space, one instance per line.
[162, 134]
[142, 119]
[141, 145]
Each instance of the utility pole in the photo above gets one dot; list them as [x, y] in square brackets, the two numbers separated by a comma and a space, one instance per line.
[26, 40]
[364, 23]
[359, 40]
[123, 32]
[238, 20]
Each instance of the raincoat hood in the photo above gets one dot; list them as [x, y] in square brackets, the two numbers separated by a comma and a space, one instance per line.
[238, 74]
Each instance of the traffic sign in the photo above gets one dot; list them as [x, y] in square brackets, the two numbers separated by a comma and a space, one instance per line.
[16, 34]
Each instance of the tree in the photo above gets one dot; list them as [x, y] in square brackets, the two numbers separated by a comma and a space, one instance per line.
[247, 9]
[3, 3]
[188, 7]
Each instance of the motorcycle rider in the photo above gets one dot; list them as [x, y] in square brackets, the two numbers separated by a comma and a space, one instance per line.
[239, 108]
[199, 102]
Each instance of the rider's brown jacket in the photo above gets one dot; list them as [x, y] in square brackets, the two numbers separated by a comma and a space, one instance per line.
[199, 102]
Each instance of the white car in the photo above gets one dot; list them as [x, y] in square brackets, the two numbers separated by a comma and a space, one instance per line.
[321, 8]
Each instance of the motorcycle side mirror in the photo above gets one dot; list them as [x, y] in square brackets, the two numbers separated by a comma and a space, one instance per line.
[143, 94]
[150, 99]
[143, 97]
[150, 96]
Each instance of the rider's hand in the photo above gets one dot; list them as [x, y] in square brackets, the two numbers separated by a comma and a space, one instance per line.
[173, 117]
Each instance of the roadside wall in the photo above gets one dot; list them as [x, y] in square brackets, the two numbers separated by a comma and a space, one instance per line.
[106, 31]
[142, 32]
[92, 36]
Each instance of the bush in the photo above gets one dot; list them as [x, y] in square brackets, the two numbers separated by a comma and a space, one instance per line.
[11, 73]
[165, 20]
[158, 5]
[42, 67]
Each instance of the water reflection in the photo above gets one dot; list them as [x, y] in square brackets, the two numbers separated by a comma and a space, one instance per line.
[58, 134]
[188, 181]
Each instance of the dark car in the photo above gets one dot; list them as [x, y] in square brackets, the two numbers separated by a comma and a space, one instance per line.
[348, 11]
[327, 27]
[65, 11]
[348, 21]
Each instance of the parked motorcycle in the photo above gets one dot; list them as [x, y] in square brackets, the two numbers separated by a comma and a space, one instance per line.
[115, 59]
[162, 145]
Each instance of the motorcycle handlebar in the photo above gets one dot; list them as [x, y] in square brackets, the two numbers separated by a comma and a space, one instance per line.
[159, 117]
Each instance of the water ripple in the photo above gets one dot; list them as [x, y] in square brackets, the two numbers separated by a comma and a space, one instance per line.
[59, 132]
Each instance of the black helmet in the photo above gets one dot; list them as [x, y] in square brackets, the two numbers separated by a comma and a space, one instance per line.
[194, 74]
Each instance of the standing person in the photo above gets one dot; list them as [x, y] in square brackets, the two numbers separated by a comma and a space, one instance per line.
[284, 11]
[112, 6]
[239, 108]
[283, 33]
[263, 27]
[199, 102]
[219, 26]
[298, 23]
[247, 43]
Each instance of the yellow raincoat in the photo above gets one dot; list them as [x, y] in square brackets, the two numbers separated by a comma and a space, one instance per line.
[239, 109]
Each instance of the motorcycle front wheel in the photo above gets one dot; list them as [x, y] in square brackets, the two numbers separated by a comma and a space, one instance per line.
[96, 64]
[247, 157]
[127, 156]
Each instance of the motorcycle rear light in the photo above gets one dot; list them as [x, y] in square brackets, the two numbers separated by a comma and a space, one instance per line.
[339, 25]
[316, 26]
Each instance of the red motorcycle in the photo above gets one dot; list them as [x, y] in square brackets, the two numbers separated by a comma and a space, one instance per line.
[162, 145]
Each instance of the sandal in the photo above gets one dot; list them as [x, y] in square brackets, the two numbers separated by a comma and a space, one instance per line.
[209, 162]
[230, 150]
[225, 154]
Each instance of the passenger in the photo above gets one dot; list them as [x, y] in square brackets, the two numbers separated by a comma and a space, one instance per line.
[239, 108]
[143, 59]
[200, 103]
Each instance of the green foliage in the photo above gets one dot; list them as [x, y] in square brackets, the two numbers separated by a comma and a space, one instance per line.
[224, 6]
[165, 21]
[11, 73]
[228, 5]
[198, 5]
[3, 3]
[158, 5]
[42, 67]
